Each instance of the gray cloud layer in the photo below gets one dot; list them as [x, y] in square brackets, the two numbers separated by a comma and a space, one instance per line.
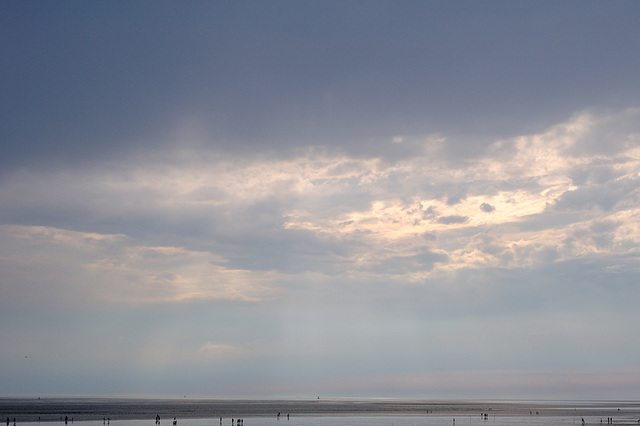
[371, 199]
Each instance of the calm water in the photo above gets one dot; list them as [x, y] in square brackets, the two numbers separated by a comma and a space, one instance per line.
[142, 412]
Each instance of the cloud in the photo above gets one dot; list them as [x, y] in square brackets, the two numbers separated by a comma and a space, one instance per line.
[487, 208]
[604, 196]
[331, 213]
[454, 219]
[119, 270]
[252, 207]
[318, 253]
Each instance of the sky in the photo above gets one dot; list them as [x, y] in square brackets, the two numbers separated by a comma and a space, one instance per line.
[249, 199]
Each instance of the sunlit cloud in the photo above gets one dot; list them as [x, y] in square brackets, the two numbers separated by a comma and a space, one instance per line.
[371, 203]
[316, 243]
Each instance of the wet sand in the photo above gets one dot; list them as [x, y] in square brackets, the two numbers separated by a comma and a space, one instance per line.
[52, 409]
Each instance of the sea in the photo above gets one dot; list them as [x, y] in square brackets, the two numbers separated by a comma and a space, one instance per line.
[314, 412]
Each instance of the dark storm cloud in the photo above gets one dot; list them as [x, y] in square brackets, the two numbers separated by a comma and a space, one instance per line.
[86, 81]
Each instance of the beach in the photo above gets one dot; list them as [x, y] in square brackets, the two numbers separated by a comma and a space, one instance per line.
[314, 412]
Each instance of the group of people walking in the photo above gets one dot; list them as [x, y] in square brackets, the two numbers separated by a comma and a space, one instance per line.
[235, 422]
[175, 421]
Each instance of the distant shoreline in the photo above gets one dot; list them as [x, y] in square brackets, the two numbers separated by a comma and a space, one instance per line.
[85, 409]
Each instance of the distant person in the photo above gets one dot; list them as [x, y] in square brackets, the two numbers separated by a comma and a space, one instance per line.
[175, 422]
